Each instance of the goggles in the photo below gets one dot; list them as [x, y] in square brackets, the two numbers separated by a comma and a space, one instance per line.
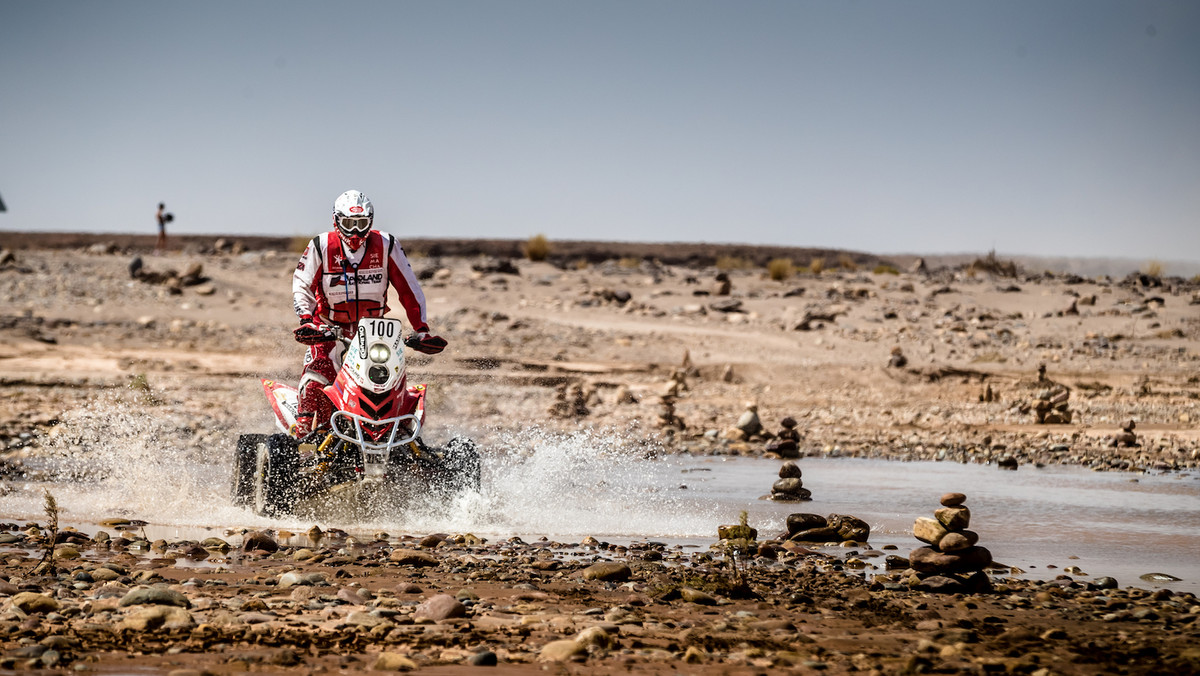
[355, 225]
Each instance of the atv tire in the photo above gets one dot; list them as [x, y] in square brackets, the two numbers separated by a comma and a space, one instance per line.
[460, 465]
[244, 459]
[276, 467]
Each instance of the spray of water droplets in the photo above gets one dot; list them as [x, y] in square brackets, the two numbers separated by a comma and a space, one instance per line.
[147, 462]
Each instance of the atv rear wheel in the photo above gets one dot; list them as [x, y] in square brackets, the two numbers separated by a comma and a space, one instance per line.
[276, 466]
[244, 460]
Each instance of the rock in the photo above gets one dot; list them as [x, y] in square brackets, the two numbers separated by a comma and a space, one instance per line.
[606, 571]
[784, 448]
[1105, 583]
[789, 485]
[1007, 462]
[850, 527]
[749, 423]
[412, 557]
[789, 470]
[953, 541]
[953, 499]
[483, 658]
[32, 602]
[440, 607]
[738, 532]
[155, 596]
[929, 560]
[1159, 577]
[696, 596]
[561, 651]
[798, 495]
[953, 518]
[261, 542]
[929, 530]
[296, 579]
[393, 662]
[939, 584]
[823, 534]
[158, 617]
[595, 636]
[802, 522]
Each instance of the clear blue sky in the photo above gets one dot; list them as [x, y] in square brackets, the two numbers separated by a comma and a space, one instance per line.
[1069, 127]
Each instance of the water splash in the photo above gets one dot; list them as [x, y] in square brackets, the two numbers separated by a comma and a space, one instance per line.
[114, 458]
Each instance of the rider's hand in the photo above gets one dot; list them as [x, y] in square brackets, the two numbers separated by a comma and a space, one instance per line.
[421, 341]
[311, 333]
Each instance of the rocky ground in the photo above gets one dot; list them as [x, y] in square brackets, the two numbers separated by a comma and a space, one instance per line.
[976, 364]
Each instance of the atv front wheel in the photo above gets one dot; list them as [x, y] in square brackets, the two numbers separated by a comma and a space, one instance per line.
[276, 465]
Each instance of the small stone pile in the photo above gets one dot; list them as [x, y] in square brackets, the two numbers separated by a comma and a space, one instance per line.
[748, 425]
[1126, 437]
[789, 487]
[786, 443]
[897, 360]
[952, 562]
[666, 414]
[1051, 407]
[835, 528]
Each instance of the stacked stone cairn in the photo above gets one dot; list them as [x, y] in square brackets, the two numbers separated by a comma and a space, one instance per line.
[951, 562]
[789, 487]
[1127, 437]
[786, 443]
[1051, 407]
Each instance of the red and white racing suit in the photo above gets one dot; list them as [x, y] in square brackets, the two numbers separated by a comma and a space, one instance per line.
[338, 287]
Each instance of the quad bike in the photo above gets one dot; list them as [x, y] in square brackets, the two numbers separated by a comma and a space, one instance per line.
[369, 452]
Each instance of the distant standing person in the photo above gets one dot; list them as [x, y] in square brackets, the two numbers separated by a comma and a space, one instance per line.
[163, 219]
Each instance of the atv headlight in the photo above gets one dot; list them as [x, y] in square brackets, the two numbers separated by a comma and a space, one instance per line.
[378, 374]
[379, 353]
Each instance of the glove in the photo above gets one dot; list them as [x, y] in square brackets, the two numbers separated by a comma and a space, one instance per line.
[421, 341]
[311, 333]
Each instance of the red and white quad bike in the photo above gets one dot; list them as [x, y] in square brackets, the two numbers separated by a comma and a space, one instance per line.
[369, 455]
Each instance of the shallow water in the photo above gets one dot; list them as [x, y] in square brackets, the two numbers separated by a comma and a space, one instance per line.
[568, 487]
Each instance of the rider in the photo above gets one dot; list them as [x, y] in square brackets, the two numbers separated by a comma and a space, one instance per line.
[342, 277]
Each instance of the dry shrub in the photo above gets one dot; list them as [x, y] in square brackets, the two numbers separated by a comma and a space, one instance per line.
[537, 248]
[630, 263]
[993, 265]
[727, 263]
[847, 263]
[780, 269]
[1154, 269]
[816, 265]
[582, 264]
[886, 269]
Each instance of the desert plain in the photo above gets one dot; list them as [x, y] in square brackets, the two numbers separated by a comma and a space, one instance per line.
[981, 363]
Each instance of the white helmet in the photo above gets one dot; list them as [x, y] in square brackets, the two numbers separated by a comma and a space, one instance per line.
[353, 216]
